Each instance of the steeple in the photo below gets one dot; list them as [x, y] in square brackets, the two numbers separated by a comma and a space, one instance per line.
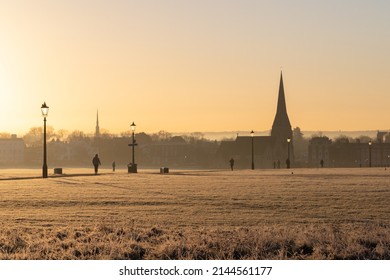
[281, 127]
[97, 131]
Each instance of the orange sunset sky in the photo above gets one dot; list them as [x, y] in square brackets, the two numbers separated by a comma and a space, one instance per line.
[194, 65]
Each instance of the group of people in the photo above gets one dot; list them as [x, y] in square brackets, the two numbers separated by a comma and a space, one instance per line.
[276, 163]
[96, 163]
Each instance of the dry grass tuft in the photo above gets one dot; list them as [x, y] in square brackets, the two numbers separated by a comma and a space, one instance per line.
[352, 242]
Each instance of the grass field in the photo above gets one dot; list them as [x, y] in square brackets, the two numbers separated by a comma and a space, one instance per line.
[245, 214]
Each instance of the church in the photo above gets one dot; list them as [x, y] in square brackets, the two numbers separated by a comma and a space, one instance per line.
[274, 151]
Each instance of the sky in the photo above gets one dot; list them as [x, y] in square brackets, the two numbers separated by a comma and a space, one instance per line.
[195, 65]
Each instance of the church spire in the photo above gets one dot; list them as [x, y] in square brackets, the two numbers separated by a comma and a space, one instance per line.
[281, 127]
[97, 131]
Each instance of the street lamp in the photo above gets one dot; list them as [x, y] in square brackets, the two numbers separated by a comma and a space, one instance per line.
[45, 112]
[369, 153]
[288, 153]
[132, 168]
[253, 157]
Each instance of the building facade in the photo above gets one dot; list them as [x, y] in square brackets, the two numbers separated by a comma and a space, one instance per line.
[12, 150]
[344, 153]
[319, 151]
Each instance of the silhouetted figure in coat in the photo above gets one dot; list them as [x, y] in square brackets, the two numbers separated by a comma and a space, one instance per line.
[322, 163]
[113, 166]
[96, 162]
[231, 163]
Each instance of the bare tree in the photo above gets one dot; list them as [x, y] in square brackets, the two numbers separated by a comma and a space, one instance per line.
[34, 137]
[5, 135]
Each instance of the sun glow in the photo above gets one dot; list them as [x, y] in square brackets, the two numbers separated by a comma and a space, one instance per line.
[190, 67]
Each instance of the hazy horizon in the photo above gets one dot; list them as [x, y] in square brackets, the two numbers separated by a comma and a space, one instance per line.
[194, 65]
[221, 135]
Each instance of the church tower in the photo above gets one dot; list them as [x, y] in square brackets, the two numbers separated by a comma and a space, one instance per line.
[281, 128]
[97, 131]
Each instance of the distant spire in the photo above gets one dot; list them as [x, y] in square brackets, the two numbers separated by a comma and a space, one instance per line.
[281, 126]
[97, 131]
[281, 109]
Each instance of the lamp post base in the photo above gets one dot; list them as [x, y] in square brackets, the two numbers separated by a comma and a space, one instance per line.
[44, 171]
[132, 168]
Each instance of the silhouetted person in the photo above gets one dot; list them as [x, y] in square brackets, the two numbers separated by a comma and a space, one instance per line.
[322, 163]
[113, 166]
[278, 164]
[288, 163]
[231, 163]
[96, 162]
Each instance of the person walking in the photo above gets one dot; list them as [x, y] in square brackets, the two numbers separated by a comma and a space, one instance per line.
[96, 162]
[113, 166]
[231, 163]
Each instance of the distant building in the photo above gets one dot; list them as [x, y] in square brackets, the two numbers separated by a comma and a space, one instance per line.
[319, 150]
[12, 150]
[343, 153]
[269, 151]
[175, 152]
[383, 137]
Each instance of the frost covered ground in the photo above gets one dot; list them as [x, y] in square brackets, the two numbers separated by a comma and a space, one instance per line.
[208, 214]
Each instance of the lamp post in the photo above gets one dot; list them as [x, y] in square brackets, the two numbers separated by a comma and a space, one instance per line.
[369, 153]
[132, 168]
[253, 155]
[288, 153]
[45, 111]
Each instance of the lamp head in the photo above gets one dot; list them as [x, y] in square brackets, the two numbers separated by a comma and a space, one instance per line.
[45, 110]
[132, 126]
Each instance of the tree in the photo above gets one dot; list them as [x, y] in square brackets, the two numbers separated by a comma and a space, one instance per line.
[5, 135]
[34, 137]
[162, 135]
[105, 134]
[143, 138]
[62, 134]
[297, 134]
[343, 139]
[126, 133]
[301, 146]
[77, 135]
[318, 134]
[363, 139]
[194, 137]
[177, 139]
[197, 135]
